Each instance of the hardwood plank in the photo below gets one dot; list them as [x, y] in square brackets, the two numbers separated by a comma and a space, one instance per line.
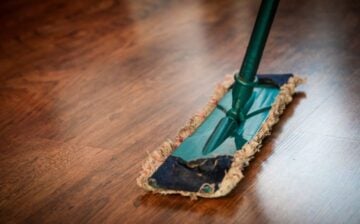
[35, 171]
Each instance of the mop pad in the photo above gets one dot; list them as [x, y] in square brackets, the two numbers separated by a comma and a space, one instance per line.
[166, 171]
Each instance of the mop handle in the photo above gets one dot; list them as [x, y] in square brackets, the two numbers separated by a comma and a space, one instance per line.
[242, 91]
[258, 38]
[243, 87]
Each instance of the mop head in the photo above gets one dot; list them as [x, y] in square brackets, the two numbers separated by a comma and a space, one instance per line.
[179, 167]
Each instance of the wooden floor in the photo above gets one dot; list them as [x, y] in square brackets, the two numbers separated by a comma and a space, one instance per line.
[88, 87]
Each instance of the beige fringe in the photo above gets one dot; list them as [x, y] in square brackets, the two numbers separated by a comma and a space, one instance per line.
[241, 157]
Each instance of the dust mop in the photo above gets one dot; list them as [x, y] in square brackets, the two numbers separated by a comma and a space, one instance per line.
[208, 155]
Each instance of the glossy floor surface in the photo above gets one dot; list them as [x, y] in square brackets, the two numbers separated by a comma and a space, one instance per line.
[88, 88]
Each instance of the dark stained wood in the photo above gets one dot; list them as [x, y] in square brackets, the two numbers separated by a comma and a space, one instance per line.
[88, 87]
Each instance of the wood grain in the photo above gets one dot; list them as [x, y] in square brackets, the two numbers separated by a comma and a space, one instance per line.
[88, 87]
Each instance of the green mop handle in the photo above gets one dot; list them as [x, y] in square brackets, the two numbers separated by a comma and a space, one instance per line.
[243, 89]
[244, 80]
